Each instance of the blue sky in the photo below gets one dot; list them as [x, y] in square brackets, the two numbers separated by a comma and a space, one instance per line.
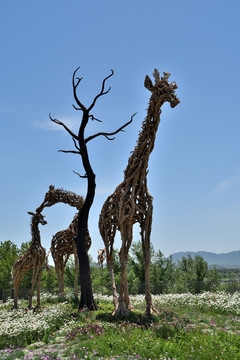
[194, 170]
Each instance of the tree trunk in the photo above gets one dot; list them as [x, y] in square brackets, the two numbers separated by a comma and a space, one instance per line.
[86, 301]
[76, 272]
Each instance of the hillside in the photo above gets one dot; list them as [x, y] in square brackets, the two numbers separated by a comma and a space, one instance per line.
[227, 260]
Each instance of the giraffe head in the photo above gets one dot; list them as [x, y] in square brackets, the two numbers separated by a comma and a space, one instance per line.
[162, 90]
[38, 217]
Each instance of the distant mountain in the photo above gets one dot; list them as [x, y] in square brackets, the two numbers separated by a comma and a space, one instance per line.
[227, 260]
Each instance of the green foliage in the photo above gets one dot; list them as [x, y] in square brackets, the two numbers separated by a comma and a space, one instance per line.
[49, 279]
[136, 260]
[69, 273]
[191, 273]
[162, 273]
[8, 254]
[188, 275]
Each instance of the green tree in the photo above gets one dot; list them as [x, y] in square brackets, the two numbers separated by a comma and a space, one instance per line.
[8, 254]
[136, 260]
[191, 273]
[162, 273]
[162, 270]
[201, 270]
[213, 278]
[49, 279]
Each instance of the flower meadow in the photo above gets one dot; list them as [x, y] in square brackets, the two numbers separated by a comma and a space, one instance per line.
[185, 326]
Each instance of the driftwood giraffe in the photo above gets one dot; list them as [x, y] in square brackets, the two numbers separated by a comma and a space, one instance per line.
[131, 202]
[62, 246]
[33, 259]
[101, 257]
[63, 242]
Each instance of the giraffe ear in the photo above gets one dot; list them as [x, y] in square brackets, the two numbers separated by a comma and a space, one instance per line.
[148, 83]
[30, 213]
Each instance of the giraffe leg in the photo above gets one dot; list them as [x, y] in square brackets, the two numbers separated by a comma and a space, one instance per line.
[32, 289]
[39, 286]
[114, 289]
[16, 287]
[146, 256]
[108, 239]
[34, 277]
[146, 225]
[17, 283]
[123, 300]
[121, 309]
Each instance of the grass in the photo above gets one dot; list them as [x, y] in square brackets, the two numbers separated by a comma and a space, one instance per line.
[198, 327]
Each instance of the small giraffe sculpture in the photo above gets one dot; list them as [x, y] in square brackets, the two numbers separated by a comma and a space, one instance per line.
[131, 202]
[62, 246]
[32, 259]
[63, 242]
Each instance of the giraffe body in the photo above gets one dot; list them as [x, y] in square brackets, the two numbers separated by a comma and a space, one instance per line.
[63, 245]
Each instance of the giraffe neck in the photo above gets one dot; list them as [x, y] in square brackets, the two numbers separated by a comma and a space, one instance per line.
[138, 161]
[36, 241]
[74, 223]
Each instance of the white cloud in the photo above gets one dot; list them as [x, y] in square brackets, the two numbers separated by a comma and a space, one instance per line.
[70, 122]
[226, 184]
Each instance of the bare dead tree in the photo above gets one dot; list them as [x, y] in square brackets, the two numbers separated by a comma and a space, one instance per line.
[80, 142]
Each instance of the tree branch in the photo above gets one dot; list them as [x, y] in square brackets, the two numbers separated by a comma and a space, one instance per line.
[58, 122]
[81, 176]
[102, 92]
[93, 118]
[70, 151]
[76, 108]
[81, 106]
[75, 144]
[110, 134]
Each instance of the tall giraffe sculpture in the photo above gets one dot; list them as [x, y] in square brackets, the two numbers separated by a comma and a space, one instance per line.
[62, 246]
[131, 202]
[32, 259]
